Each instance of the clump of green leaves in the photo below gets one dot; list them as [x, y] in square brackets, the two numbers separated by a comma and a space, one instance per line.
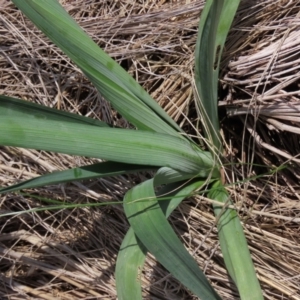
[158, 144]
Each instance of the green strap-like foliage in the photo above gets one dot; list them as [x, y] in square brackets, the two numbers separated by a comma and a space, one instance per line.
[234, 246]
[16, 108]
[153, 230]
[215, 22]
[111, 80]
[132, 252]
[157, 143]
[112, 144]
[98, 170]
[214, 25]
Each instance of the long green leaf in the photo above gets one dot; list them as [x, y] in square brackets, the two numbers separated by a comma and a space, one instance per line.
[132, 254]
[112, 144]
[151, 227]
[214, 25]
[215, 22]
[129, 265]
[98, 170]
[112, 81]
[17, 108]
[234, 247]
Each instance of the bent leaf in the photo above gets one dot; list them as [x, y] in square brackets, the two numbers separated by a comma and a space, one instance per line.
[151, 227]
[132, 254]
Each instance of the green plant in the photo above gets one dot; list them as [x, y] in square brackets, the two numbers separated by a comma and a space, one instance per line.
[159, 144]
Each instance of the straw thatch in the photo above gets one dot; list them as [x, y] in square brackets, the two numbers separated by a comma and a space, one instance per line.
[70, 253]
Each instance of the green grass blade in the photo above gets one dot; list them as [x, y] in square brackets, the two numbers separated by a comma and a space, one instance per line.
[215, 22]
[234, 247]
[112, 81]
[132, 252]
[112, 144]
[129, 265]
[19, 108]
[98, 170]
[152, 228]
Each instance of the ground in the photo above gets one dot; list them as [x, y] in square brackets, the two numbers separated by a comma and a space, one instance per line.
[70, 253]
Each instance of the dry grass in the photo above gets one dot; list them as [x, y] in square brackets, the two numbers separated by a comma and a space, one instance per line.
[70, 254]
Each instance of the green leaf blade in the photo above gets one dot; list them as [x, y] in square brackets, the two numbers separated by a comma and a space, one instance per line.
[112, 144]
[112, 81]
[214, 25]
[132, 254]
[215, 22]
[129, 265]
[234, 246]
[98, 170]
[17, 108]
[152, 228]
